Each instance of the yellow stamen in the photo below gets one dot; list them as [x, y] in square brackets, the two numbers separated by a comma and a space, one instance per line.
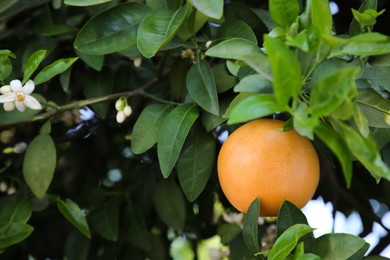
[20, 96]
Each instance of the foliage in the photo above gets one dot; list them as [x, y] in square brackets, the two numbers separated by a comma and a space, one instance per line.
[144, 185]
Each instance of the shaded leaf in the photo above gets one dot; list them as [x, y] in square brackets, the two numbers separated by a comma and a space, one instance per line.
[136, 228]
[250, 229]
[105, 221]
[77, 246]
[236, 29]
[13, 233]
[223, 79]
[112, 30]
[5, 67]
[72, 212]
[17, 211]
[39, 164]
[255, 83]
[84, 2]
[284, 12]
[196, 162]
[158, 28]
[172, 135]
[289, 215]
[147, 127]
[169, 203]
[201, 86]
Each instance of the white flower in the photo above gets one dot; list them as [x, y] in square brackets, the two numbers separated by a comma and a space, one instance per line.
[127, 110]
[16, 95]
[120, 117]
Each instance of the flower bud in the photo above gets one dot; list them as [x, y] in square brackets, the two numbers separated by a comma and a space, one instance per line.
[120, 117]
[119, 104]
[127, 110]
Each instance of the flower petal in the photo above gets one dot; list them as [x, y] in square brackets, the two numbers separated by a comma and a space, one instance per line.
[20, 106]
[29, 87]
[9, 106]
[5, 89]
[9, 97]
[32, 102]
[16, 85]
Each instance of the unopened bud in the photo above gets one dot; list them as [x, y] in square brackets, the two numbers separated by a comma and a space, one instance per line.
[137, 62]
[119, 104]
[127, 110]
[8, 150]
[20, 147]
[120, 117]
[208, 43]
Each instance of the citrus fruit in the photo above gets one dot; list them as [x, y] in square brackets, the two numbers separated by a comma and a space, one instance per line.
[261, 160]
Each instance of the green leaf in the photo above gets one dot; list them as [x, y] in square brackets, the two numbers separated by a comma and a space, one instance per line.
[201, 87]
[172, 135]
[284, 12]
[288, 241]
[170, 205]
[5, 67]
[212, 9]
[105, 221]
[85, 2]
[253, 106]
[53, 69]
[250, 228]
[211, 121]
[364, 150]
[223, 79]
[72, 212]
[163, 4]
[286, 70]
[321, 16]
[76, 246]
[136, 228]
[255, 83]
[6, 4]
[355, 27]
[17, 211]
[337, 246]
[236, 29]
[367, 17]
[39, 164]
[97, 84]
[13, 233]
[196, 162]
[360, 121]
[339, 148]
[147, 127]
[228, 231]
[289, 215]
[112, 30]
[94, 61]
[193, 22]
[341, 81]
[373, 106]
[158, 28]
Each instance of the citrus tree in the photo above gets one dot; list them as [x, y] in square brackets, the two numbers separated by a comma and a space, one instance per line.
[114, 113]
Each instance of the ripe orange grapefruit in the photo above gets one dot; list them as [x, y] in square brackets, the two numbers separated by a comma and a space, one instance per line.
[261, 160]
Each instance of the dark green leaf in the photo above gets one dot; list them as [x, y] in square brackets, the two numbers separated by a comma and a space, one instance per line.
[250, 230]
[105, 221]
[284, 12]
[77, 246]
[17, 211]
[112, 30]
[338, 146]
[39, 164]
[94, 61]
[236, 29]
[53, 69]
[97, 85]
[364, 150]
[72, 212]
[85, 2]
[213, 9]
[136, 227]
[286, 70]
[172, 135]
[163, 4]
[5, 67]
[169, 203]
[13, 233]
[211, 121]
[337, 246]
[5, 4]
[158, 28]
[288, 240]
[228, 232]
[321, 16]
[196, 162]
[201, 87]
[223, 79]
[289, 215]
[192, 24]
[147, 127]
[252, 107]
